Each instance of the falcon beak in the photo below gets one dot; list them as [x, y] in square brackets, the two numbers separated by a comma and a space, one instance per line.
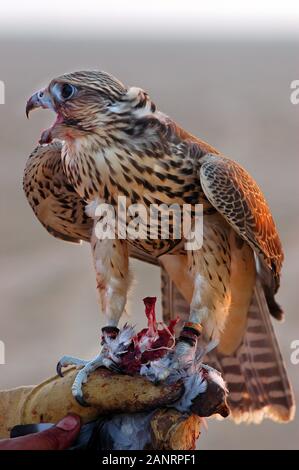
[41, 99]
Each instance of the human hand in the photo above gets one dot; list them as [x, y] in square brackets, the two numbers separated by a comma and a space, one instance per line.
[59, 437]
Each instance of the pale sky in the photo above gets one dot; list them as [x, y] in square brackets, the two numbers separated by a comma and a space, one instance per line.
[151, 17]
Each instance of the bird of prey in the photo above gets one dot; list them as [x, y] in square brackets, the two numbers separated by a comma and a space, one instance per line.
[110, 140]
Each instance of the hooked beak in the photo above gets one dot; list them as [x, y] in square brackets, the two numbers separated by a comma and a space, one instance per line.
[41, 99]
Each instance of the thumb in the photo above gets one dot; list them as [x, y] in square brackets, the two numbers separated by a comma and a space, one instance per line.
[59, 437]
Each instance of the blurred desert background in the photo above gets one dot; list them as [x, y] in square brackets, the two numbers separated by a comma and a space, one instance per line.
[234, 93]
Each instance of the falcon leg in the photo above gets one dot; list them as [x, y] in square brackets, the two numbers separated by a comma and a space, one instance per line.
[210, 269]
[193, 329]
[111, 263]
[66, 361]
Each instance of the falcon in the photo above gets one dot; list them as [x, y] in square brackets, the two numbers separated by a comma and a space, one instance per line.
[108, 141]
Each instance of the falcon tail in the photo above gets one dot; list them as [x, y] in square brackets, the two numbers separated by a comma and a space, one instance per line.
[255, 374]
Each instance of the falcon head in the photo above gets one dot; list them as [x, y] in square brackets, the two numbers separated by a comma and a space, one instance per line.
[82, 102]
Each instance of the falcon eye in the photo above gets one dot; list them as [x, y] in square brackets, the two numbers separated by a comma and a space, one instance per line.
[67, 91]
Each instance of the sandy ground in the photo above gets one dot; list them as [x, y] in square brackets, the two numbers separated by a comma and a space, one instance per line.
[234, 95]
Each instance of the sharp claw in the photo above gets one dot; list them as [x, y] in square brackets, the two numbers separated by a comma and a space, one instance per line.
[111, 365]
[81, 401]
[59, 369]
[115, 368]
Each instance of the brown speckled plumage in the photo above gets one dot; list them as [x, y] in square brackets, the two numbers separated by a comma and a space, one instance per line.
[235, 194]
[53, 200]
[116, 143]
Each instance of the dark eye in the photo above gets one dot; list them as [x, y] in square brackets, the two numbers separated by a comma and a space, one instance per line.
[67, 91]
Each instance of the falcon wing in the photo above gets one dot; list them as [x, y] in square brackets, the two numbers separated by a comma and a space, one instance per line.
[237, 197]
[53, 200]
